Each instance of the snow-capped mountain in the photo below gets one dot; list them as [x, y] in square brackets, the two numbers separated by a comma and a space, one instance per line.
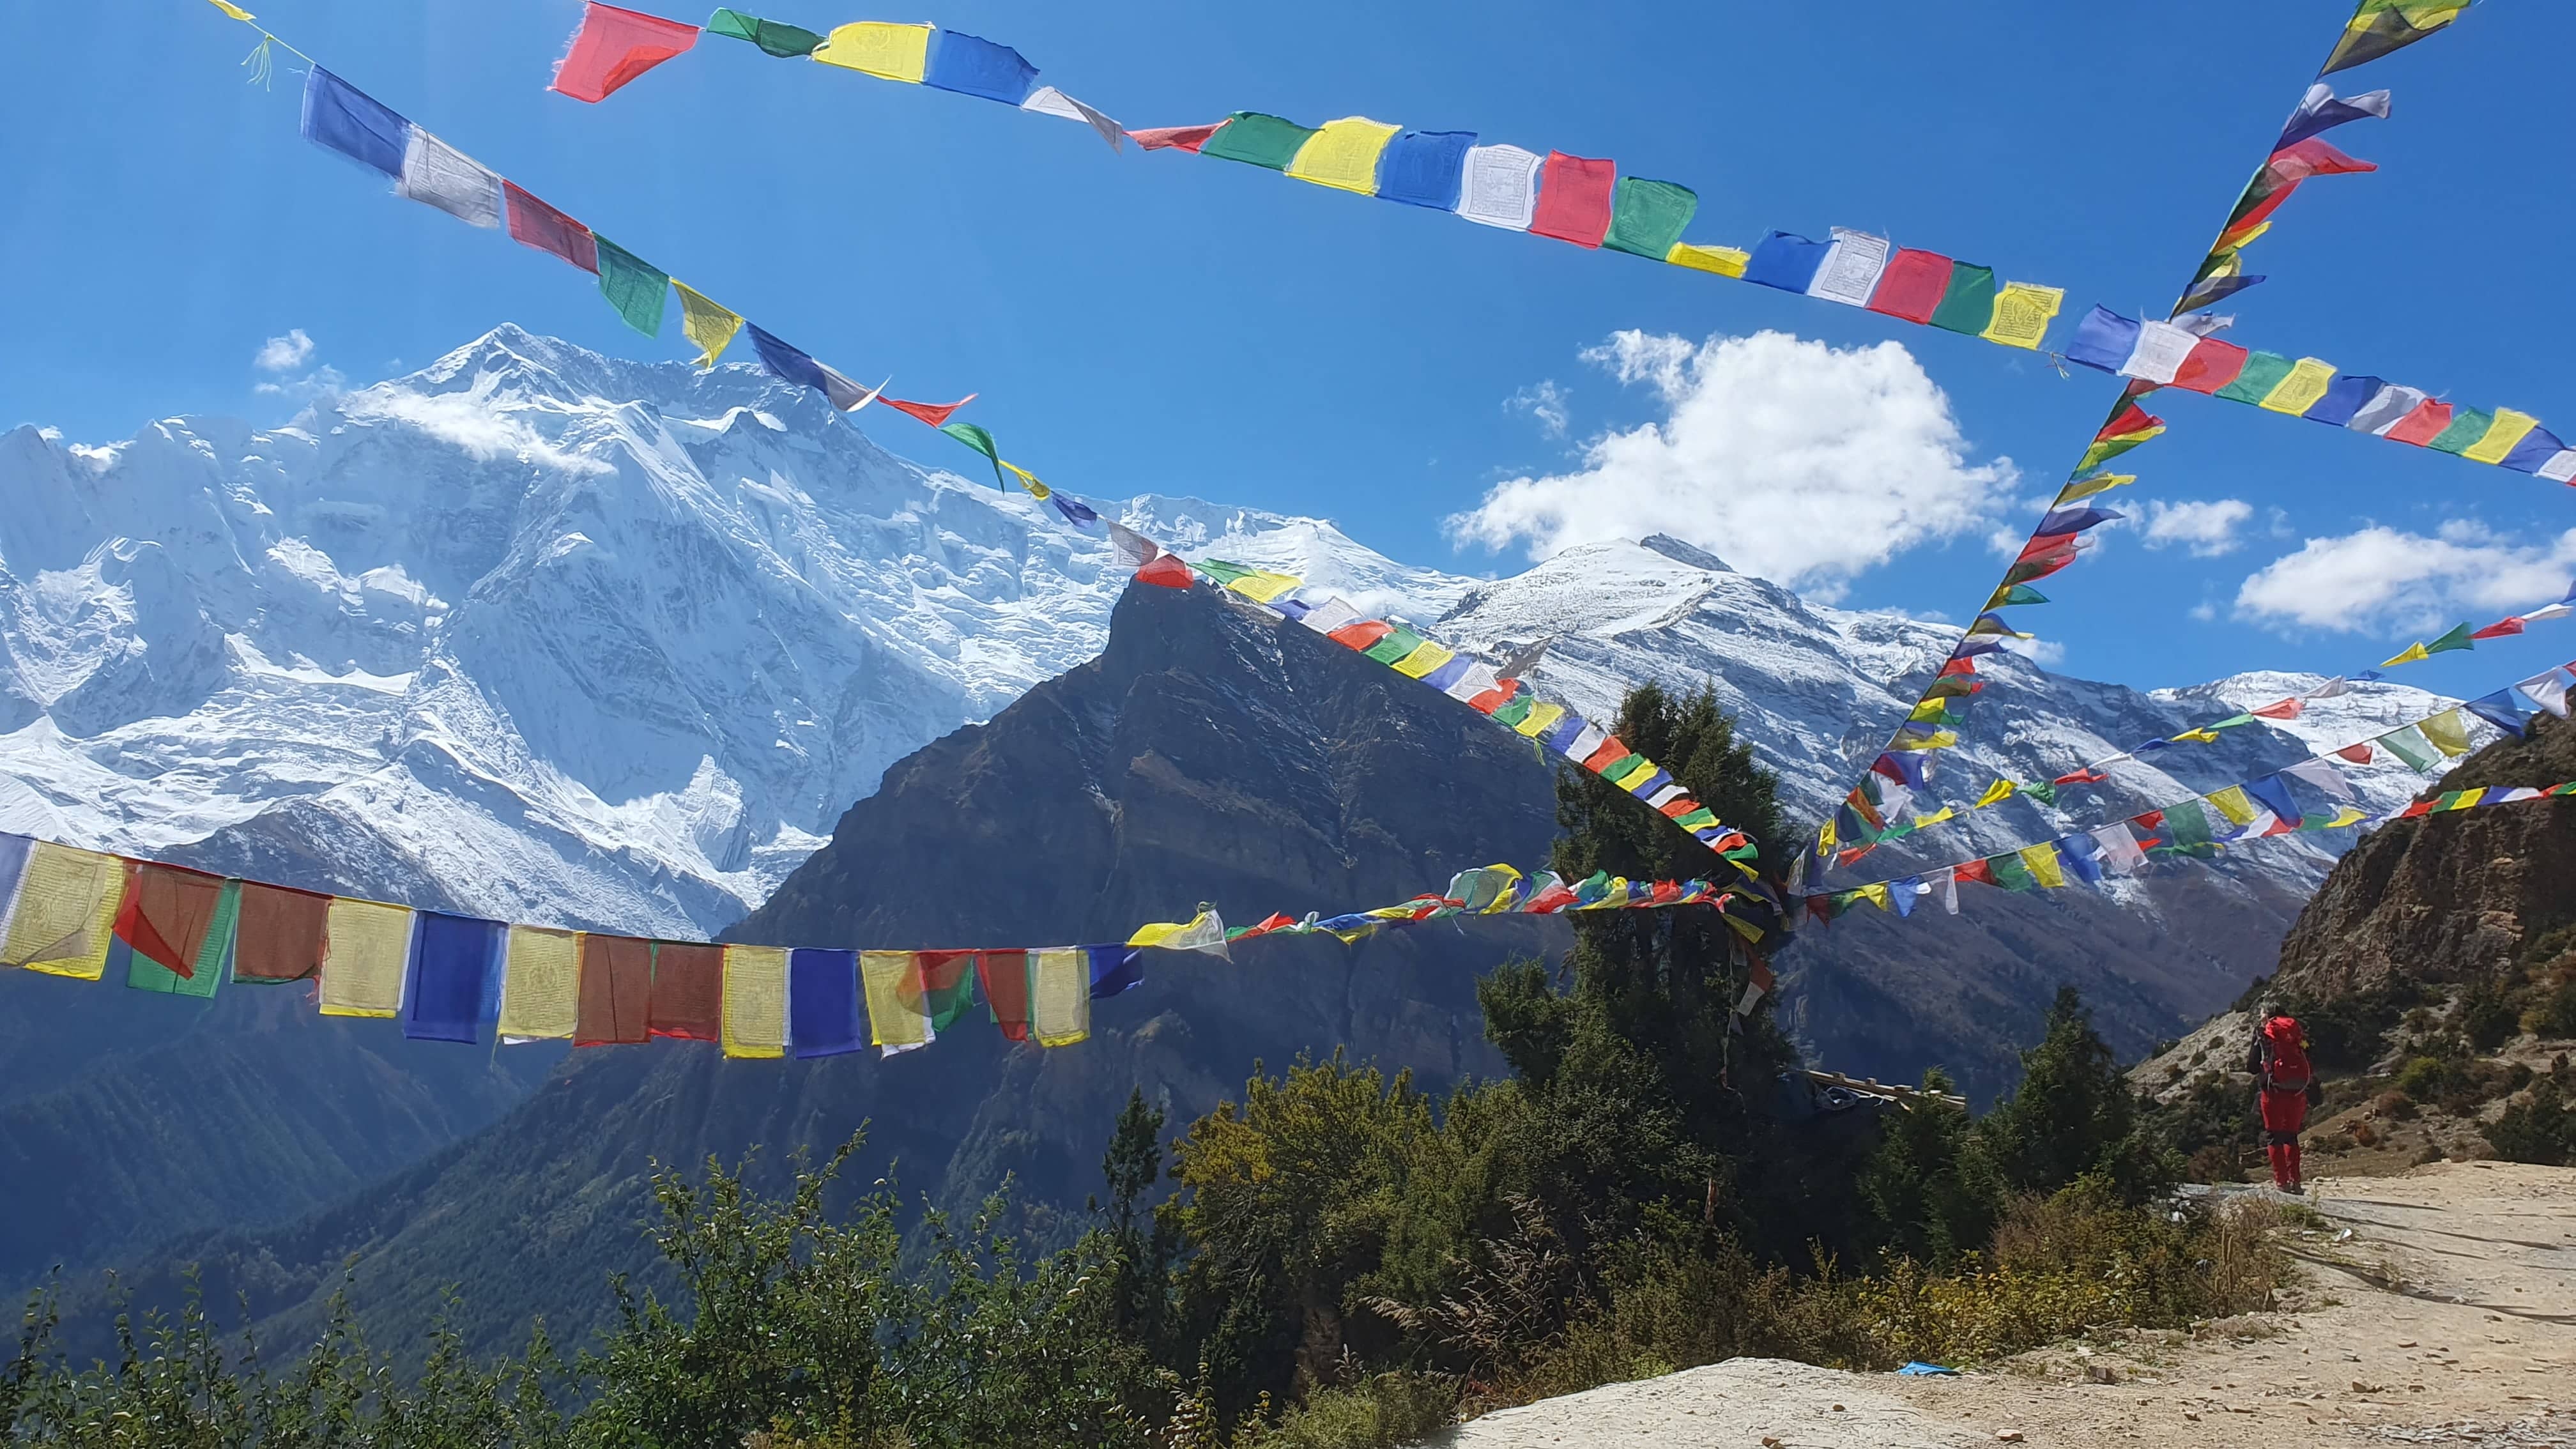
[539, 634]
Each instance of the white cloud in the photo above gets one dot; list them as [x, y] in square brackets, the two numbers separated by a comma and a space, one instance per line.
[321, 382]
[284, 354]
[1793, 460]
[2207, 529]
[2380, 579]
[1545, 401]
[467, 422]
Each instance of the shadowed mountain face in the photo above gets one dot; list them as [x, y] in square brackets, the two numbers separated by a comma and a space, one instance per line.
[1210, 754]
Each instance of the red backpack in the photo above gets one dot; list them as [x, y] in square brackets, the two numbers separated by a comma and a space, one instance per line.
[2289, 1070]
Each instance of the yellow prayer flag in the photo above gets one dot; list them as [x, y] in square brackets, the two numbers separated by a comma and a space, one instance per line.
[1938, 740]
[879, 48]
[895, 1016]
[1877, 895]
[2235, 804]
[1929, 710]
[365, 946]
[2502, 437]
[2203, 736]
[66, 912]
[235, 11]
[1158, 932]
[1935, 818]
[2022, 314]
[1059, 997]
[706, 323]
[1725, 261]
[2042, 860]
[1541, 718]
[2448, 732]
[1825, 837]
[1343, 154]
[541, 984]
[1996, 794]
[2301, 389]
[1749, 931]
[2408, 655]
[2087, 487]
[2347, 816]
[1261, 588]
[1028, 480]
[755, 1001]
[1426, 657]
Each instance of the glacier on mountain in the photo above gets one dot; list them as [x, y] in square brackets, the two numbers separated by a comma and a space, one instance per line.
[539, 634]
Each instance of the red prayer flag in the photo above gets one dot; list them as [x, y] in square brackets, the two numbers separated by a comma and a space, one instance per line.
[1005, 975]
[1274, 922]
[1976, 870]
[1574, 199]
[2286, 709]
[1855, 853]
[2499, 629]
[1165, 572]
[2152, 820]
[168, 910]
[1666, 892]
[1761, 974]
[1176, 138]
[615, 46]
[1958, 666]
[535, 224]
[1680, 808]
[2422, 425]
[1550, 901]
[280, 934]
[2086, 776]
[2212, 365]
[688, 991]
[935, 414]
[1496, 697]
[2420, 807]
[2132, 420]
[1820, 909]
[2358, 754]
[2313, 157]
[1363, 635]
[616, 1001]
[2041, 543]
[2254, 216]
[1610, 753]
[1912, 285]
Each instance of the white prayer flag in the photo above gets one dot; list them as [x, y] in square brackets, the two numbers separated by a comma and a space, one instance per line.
[1048, 101]
[1500, 187]
[2335, 688]
[1948, 881]
[1592, 738]
[2561, 468]
[1752, 995]
[2386, 409]
[2160, 352]
[1477, 680]
[2120, 853]
[437, 174]
[1134, 550]
[2548, 690]
[1850, 271]
[2323, 775]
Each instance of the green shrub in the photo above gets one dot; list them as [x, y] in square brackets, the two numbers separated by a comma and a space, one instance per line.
[2429, 1079]
[2487, 1018]
[2553, 1016]
[1385, 1410]
[2539, 1128]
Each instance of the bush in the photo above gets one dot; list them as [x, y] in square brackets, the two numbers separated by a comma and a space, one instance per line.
[2348, 1033]
[2539, 1128]
[2554, 1015]
[2487, 1018]
[2395, 1106]
[2428, 1079]
[1385, 1410]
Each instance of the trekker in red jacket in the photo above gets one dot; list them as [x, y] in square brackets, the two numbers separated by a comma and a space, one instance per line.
[2284, 1088]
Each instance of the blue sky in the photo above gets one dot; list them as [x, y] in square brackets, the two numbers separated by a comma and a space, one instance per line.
[1165, 323]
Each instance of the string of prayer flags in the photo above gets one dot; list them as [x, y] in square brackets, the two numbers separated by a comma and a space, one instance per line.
[2381, 27]
[2167, 355]
[614, 46]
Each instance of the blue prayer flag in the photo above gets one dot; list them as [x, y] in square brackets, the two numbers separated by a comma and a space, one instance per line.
[2502, 710]
[789, 364]
[1787, 261]
[2534, 451]
[1555, 740]
[353, 123]
[1449, 673]
[823, 1003]
[2104, 340]
[1650, 784]
[1115, 969]
[1075, 511]
[455, 984]
[2345, 396]
[2273, 793]
[1902, 894]
[973, 66]
[2082, 856]
[1424, 168]
[2075, 520]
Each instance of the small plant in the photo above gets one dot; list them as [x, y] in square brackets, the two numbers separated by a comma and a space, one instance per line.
[2395, 1106]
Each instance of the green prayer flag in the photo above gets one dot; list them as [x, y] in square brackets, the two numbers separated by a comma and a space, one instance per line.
[2458, 638]
[1969, 303]
[2410, 745]
[1647, 217]
[632, 286]
[1221, 571]
[214, 955]
[2012, 594]
[783, 41]
[2263, 372]
[2188, 823]
[2468, 425]
[982, 442]
[1257, 140]
[2232, 722]
[1512, 712]
[2045, 794]
[2378, 27]
[1402, 641]
[2010, 873]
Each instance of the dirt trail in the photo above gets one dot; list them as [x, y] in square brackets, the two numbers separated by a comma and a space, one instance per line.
[2440, 1308]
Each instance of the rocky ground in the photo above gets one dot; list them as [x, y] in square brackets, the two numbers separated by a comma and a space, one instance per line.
[2438, 1306]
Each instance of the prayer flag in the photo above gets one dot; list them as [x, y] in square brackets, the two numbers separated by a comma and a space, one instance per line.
[437, 174]
[2187, 823]
[2013, 873]
[2448, 733]
[2212, 365]
[1344, 154]
[823, 1003]
[1005, 975]
[2262, 373]
[784, 41]
[2322, 775]
[1256, 139]
[879, 48]
[2321, 110]
[688, 991]
[2499, 629]
[1424, 168]
[1647, 217]
[535, 224]
[616, 991]
[1048, 101]
[357, 125]
[2300, 160]
[1115, 969]
[2022, 313]
[2120, 849]
[1789, 262]
[2379, 27]
[1059, 997]
[1853, 263]
[2503, 435]
[1912, 285]
[946, 984]
[2083, 488]
[2467, 426]
[280, 935]
[710, 326]
[1203, 932]
[1968, 303]
[615, 46]
[455, 982]
[366, 950]
[891, 987]
[1724, 261]
[2536, 454]
[1574, 199]
[2428, 421]
[935, 414]
[2074, 520]
[2548, 690]
[1175, 138]
[2213, 289]
[1996, 794]
[2385, 409]
[633, 286]
[973, 66]
[540, 985]
[2076, 852]
[2457, 638]
[2104, 340]
[2273, 794]
[1500, 187]
[755, 1002]
[2301, 389]
[164, 927]
[2503, 710]
[2410, 745]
